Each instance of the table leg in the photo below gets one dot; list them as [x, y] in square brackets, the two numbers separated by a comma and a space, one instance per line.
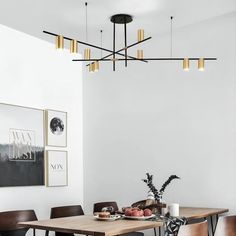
[212, 226]
[155, 232]
[33, 232]
[159, 231]
[217, 218]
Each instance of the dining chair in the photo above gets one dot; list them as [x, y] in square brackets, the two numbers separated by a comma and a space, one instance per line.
[226, 226]
[97, 207]
[197, 229]
[9, 222]
[65, 211]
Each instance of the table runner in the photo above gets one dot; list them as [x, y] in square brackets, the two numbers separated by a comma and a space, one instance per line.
[172, 225]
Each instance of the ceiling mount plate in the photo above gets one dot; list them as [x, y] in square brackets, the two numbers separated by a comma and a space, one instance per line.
[121, 19]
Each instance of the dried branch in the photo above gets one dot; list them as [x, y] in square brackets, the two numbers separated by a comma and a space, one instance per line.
[172, 177]
[158, 194]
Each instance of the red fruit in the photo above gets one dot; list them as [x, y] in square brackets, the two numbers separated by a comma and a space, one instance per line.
[141, 213]
[135, 213]
[128, 212]
[147, 212]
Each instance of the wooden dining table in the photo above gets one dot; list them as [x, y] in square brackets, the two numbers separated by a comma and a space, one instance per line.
[88, 225]
[196, 213]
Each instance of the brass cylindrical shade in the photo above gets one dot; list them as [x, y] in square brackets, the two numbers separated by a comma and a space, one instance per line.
[73, 46]
[59, 42]
[140, 35]
[140, 54]
[87, 54]
[96, 66]
[92, 67]
[186, 64]
[201, 64]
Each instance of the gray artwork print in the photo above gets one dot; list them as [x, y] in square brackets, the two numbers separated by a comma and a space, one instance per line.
[21, 146]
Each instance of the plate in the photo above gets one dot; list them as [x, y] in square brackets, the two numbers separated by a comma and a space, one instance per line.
[111, 218]
[139, 217]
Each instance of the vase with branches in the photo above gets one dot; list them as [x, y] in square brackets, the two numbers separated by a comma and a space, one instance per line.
[158, 193]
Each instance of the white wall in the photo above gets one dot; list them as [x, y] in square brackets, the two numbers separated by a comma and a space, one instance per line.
[157, 118]
[33, 74]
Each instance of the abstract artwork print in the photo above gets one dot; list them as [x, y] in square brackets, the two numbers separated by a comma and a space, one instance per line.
[21, 146]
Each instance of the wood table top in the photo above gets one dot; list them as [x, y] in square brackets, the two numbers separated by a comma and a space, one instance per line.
[198, 212]
[88, 225]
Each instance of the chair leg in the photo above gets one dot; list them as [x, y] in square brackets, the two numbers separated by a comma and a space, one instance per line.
[155, 232]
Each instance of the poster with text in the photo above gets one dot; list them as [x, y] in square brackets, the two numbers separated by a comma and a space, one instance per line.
[56, 168]
[21, 146]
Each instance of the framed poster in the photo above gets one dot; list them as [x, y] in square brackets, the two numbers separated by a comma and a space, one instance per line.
[56, 166]
[56, 128]
[21, 146]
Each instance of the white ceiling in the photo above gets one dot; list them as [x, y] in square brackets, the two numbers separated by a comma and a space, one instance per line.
[68, 16]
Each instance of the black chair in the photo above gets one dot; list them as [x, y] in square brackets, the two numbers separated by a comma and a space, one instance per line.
[9, 222]
[97, 207]
[65, 211]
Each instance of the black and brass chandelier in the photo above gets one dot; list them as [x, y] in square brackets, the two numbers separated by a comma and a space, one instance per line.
[121, 54]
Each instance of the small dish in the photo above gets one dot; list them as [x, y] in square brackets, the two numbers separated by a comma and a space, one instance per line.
[111, 218]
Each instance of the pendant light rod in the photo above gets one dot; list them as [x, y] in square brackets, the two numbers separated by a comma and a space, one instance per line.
[171, 36]
[100, 48]
[114, 45]
[149, 59]
[125, 29]
[101, 31]
[86, 21]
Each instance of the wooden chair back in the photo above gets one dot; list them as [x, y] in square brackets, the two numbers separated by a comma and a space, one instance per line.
[97, 207]
[9, 222]
[226, 226]
[65, 211]
[197, 229]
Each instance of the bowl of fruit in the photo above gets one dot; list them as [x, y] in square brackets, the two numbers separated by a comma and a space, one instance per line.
[135, 213]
